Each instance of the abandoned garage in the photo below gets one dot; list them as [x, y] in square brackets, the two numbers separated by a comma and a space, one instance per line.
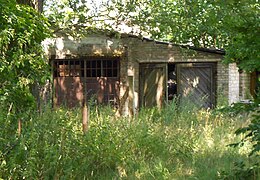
[130, 72]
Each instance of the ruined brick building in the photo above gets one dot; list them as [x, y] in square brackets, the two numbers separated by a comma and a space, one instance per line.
[130, 72]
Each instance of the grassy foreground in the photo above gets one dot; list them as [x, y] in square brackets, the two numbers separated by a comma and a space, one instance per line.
[174, 143]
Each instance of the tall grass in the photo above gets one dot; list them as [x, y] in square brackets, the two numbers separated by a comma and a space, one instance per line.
[173, 143]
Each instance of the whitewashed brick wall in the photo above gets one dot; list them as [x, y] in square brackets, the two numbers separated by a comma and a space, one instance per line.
[233, 83]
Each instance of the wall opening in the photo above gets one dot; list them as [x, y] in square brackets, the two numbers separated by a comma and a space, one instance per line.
[172, 81]
[255, 83]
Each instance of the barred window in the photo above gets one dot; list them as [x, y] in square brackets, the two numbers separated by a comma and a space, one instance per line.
[68, 67]
[102, 68]
[94, 67]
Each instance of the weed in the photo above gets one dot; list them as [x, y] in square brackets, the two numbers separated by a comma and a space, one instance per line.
[172, 143]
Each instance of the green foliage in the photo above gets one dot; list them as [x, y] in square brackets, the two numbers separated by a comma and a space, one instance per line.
[250, 133]
[172, 143]
[197, 22]
[232, 25]
[22, 63]
[242, 24]
[252, 130]
[241, 171]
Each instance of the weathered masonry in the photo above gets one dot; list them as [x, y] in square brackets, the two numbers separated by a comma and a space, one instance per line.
[131, 72]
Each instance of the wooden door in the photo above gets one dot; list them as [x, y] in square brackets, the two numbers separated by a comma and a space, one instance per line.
[152, 84]
[103, 90]
[196, 83]
[68, 77]
[68, 91]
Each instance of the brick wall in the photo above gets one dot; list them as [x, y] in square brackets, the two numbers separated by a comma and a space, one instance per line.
[233, 83]
[222, 84]
[142, 51]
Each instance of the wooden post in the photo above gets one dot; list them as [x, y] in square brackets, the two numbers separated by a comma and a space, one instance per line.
[85, 118]
[84, 103]
[131, 96]
[19, 126]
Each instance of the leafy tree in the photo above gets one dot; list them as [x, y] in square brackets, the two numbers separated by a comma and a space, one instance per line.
[243, 25]
[232, 25]
[22, 63]
[76, 17]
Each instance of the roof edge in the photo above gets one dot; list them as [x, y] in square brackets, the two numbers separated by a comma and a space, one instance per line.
[111, 34]
[209, 50]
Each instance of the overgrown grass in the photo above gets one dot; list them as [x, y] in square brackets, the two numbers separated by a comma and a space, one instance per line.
[174, 143]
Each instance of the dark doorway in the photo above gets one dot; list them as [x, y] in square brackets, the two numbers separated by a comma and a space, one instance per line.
[255, 83]
[172, 82]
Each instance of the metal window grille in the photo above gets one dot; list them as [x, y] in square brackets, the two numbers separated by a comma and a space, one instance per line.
[94, 68]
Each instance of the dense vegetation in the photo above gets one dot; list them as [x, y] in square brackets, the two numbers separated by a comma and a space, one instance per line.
[175, 143]
[22, 62]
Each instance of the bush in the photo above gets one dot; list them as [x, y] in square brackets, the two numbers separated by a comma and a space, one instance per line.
[250, 134]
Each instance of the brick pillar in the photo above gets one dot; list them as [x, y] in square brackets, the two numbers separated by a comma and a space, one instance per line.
[233, 84]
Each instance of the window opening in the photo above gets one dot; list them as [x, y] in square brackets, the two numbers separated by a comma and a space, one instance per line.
[102, 68]
[94, 68]
[68, 68]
